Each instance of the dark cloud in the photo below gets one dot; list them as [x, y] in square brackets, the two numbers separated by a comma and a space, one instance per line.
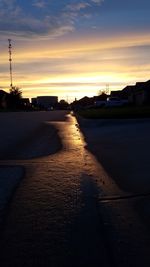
[49, 19]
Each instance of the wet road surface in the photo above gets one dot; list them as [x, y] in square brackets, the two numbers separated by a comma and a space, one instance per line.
[68, 212]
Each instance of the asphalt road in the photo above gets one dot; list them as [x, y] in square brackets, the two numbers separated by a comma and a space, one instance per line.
[67, 211]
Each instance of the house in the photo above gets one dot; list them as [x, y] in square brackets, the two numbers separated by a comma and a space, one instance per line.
[115, 94]
[85, 102]
[26, 102]
[138, 94]
[3, 99]
[47, 102]
[34, 101]
[100, 100]
[127, 92]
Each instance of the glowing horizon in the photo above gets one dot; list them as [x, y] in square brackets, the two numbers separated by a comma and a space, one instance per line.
[74, 59]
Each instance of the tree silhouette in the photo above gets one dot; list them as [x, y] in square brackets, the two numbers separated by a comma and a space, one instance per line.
[15, 97]
[63, 104]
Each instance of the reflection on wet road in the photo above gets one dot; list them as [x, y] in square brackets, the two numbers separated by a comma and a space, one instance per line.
[58, 216]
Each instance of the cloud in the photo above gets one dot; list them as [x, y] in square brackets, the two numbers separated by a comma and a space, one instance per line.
[39, 3]
[51, 19]
[30, 26]
[77, 6]
[99, 2]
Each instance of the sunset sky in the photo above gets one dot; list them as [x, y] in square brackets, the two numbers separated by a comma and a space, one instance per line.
[71, 48]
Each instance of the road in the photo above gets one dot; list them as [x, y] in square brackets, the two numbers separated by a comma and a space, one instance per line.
[68, 212]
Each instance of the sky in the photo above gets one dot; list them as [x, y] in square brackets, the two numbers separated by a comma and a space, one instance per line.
[71, 48]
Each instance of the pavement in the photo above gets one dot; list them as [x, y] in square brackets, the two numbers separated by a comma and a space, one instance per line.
[23, 135]
[64, 207]
[21, 129]
[51, 218]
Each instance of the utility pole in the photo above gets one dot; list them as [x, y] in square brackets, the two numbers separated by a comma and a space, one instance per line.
[67, 98]
[107, 89]
[10, 62]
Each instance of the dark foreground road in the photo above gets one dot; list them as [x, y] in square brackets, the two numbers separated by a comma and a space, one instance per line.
[68, 212]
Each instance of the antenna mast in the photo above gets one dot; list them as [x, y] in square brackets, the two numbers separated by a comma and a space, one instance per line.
[107, 89]
[10, 62]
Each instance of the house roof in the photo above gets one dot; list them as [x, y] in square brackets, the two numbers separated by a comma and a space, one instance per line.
[140, 86]
[2, 92]
[128, 88]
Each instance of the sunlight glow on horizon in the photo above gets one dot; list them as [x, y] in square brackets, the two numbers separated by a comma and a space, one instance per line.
[78, 69]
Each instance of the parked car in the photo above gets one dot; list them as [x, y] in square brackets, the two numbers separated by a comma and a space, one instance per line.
[115, 102]
[100, 103]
